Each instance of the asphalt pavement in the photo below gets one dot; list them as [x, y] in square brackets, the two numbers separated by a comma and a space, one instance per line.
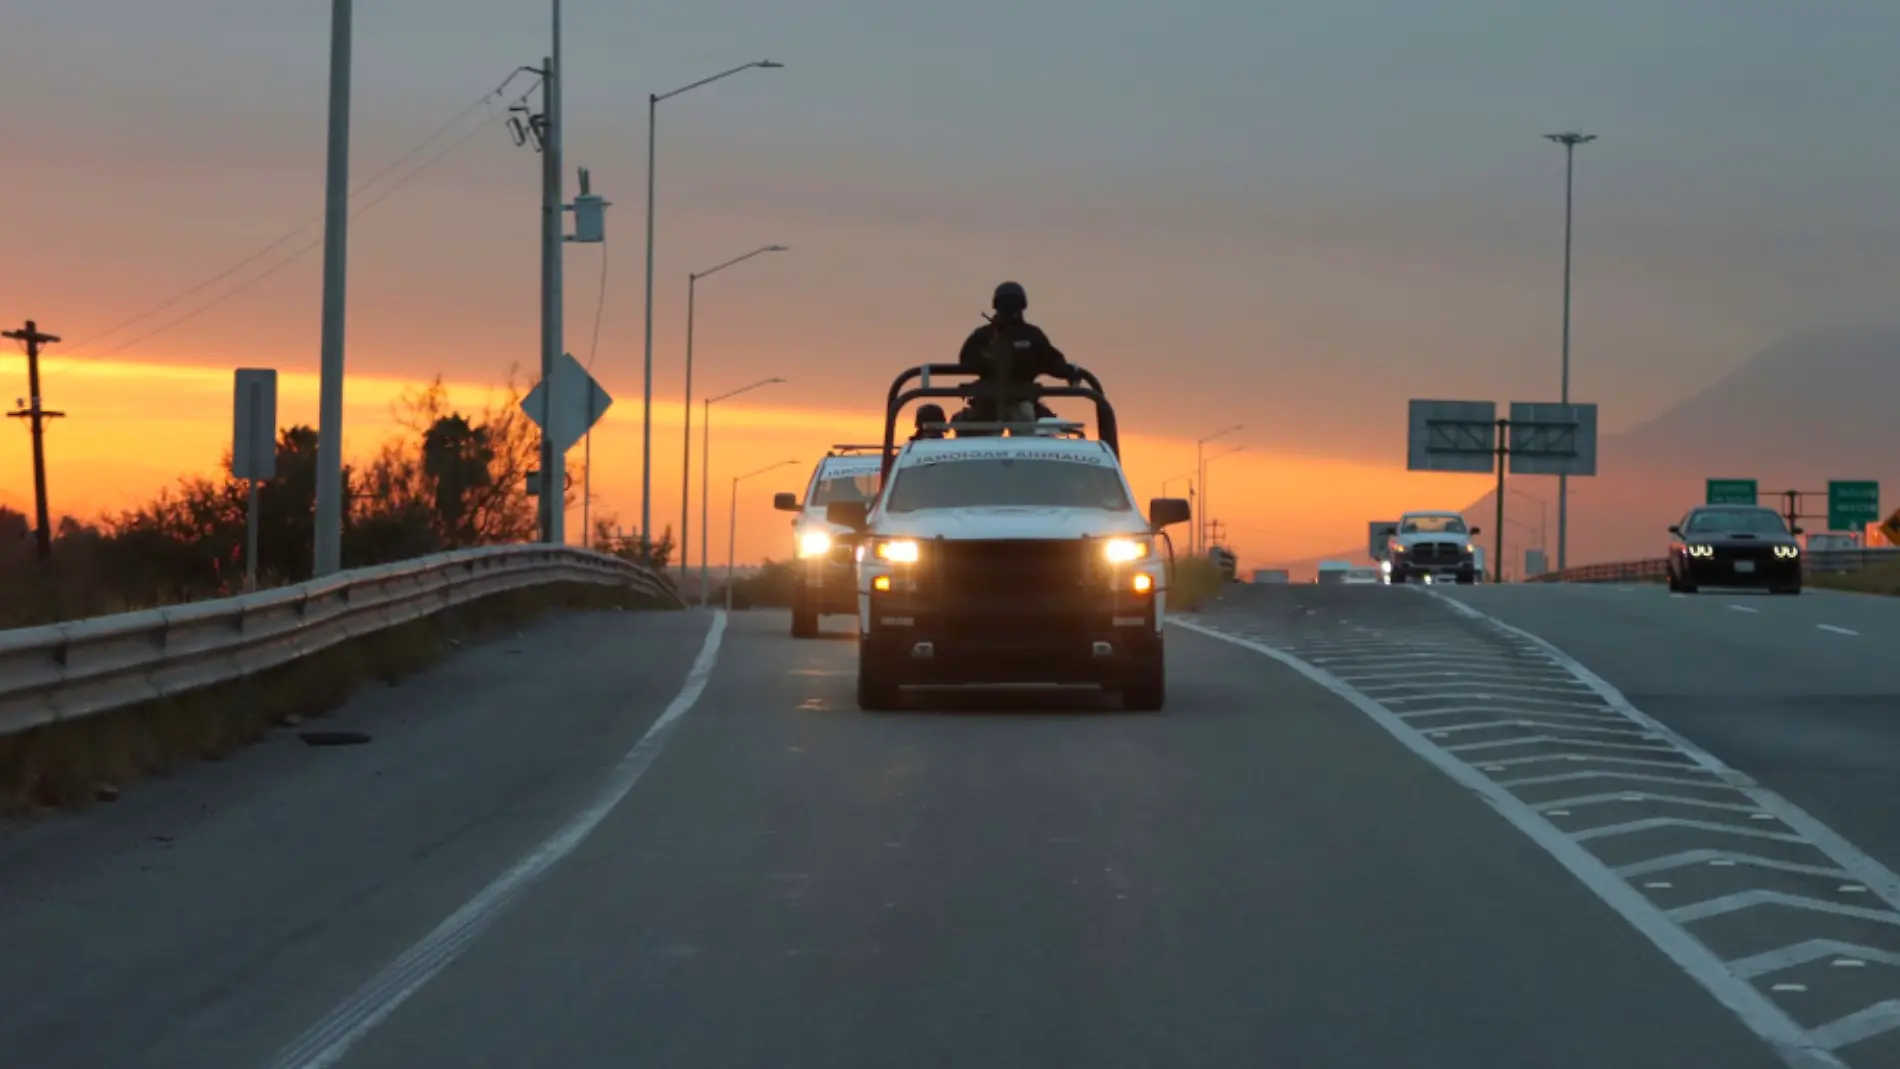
[673, 840]
[1802, 693]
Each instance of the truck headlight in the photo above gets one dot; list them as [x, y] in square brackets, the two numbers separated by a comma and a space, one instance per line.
[1126, 550]
[1786, 552]
[897, 551]
[814, 544]
[1702, 551]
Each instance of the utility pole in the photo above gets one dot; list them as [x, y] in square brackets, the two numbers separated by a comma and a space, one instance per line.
[328, 529]
[1569, 141]
[543, 130]
[36, 417]
[553, 228]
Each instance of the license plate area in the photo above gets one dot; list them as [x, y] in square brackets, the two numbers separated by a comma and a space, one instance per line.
[1744, 567]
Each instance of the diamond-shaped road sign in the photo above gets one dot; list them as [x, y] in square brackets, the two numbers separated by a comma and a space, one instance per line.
[578, 402]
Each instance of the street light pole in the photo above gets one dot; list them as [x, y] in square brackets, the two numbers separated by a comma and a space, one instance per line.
[336, 228]
[705, 475]
[732, 526]
[1198, 543]
[1210, 460]
[646, 409]
[686, 449]
[1569, 141]
[1543, 518]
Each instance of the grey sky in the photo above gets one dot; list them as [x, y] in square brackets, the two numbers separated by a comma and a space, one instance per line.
[1360, 182]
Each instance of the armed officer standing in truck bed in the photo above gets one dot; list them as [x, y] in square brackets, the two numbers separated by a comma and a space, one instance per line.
[1031, 353]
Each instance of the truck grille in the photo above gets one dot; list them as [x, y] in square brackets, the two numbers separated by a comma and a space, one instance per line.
[1434, 553]
[999, 590]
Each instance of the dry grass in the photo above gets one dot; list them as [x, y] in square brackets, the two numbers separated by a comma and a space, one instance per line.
[1878, 579]
[1196, 582]
[73, 764]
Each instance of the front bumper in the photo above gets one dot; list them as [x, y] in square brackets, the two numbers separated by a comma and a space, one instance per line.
[1728, 571]
[1438, 567]
[914, 638]
[829, 582]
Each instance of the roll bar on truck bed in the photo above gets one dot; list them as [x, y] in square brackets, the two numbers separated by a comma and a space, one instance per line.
[898, 397]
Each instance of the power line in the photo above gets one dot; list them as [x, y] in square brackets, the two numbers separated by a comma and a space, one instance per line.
[600, 306]
[309, 246]
[480, 102]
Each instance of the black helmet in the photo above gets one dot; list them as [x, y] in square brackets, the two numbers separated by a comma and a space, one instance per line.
[1010, 297]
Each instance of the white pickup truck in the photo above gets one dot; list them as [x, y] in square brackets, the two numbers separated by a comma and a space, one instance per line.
[1432, 546]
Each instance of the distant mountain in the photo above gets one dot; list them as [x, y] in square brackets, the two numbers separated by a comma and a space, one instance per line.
[1816, 406]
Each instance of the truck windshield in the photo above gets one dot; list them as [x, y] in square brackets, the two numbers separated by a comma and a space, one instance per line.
[1434, 525]
[844, 488]
[1004, 482]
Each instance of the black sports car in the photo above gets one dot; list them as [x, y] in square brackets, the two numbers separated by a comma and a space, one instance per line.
[1734, 545]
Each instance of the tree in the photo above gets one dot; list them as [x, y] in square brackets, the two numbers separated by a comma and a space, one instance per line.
[631, 546]
[456, 479]
[456, 458]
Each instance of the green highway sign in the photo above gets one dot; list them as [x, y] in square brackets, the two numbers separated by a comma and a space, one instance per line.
[1731, 492]
[1852, 505]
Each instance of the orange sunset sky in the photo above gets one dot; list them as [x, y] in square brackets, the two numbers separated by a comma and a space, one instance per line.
[1239, 236]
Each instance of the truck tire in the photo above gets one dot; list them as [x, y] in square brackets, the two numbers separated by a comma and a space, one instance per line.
[877, 692]
[1147, 691]
[804, 613]
[1467, 576]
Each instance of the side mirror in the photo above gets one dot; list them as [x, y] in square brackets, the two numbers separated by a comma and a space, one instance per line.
[1675, 529]
[1168, 511]
[1796, 530]
[785, 502]
[848, 513]
[1476, 531]
[1390, 532]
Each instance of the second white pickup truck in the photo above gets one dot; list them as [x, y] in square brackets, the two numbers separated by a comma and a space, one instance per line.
[1434, 546]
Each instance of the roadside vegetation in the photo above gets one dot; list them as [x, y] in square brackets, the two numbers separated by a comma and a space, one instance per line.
[1877, 579]
[450, 480]
[1196, 582]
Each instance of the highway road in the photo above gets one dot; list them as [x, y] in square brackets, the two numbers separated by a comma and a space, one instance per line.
[1802, 693]
[680, 844]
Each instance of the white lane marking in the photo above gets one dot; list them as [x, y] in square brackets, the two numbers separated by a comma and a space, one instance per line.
[1741, 608]
[1767, 1020]
[1836, 630]
[325, 1043]
[1865, 1024]
[1879, 879]
[1805, 953]
[1741, 900]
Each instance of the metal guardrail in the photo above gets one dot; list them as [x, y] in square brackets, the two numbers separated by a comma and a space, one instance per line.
[80, 668]
[1819, 562]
